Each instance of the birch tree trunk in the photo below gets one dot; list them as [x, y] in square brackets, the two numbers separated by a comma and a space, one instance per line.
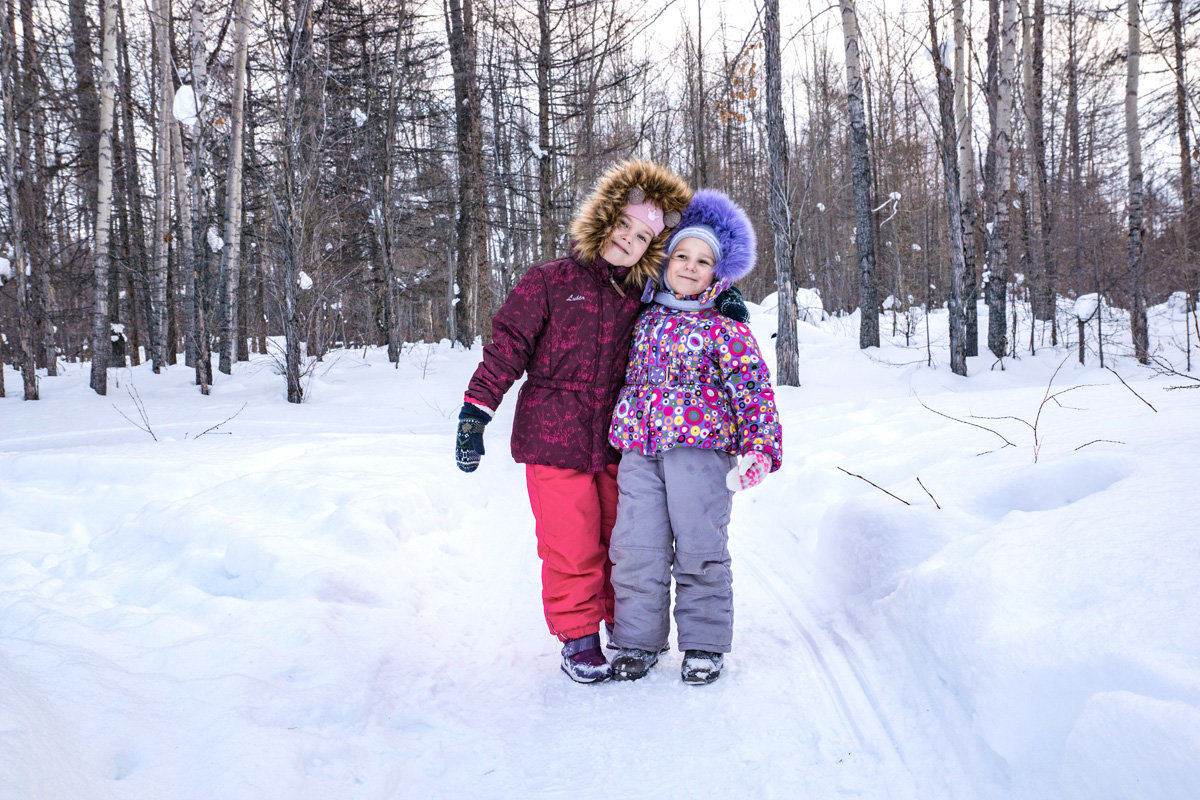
[860, 168]
[1133, 142]
[101, 333]
[950, 143]
[196, 338]
[231, 252]
[996, 284]
[158, 276]
[193, 191]
[787, 347]
[966, 177]
[14, 175]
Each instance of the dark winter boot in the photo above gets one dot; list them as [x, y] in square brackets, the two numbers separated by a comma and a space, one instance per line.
[701, 667]
[584, 661]
[630, 663]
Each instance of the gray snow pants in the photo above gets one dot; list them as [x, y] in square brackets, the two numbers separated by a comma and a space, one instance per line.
[673, 515]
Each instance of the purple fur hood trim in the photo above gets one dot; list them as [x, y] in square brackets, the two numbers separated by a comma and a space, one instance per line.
[739, 247]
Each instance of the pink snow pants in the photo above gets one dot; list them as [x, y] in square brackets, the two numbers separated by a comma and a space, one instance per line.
[574, 514]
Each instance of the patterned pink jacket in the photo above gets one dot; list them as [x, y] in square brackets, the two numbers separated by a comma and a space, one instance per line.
[696, 379]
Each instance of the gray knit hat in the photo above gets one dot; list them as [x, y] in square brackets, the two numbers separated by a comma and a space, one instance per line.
[702, 232]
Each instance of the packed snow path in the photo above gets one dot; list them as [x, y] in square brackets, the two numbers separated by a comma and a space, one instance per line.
[313, 602]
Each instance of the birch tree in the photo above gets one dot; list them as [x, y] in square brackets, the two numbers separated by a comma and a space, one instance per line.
[996, 285]
[162, 216]
[860, 168]
[1133, 143]
[787, 347]
[101, 333]
[196, 337]
[949, 153]
[966, 177]
[231, 251]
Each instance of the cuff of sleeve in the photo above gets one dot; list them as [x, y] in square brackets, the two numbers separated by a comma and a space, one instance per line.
[488, 412]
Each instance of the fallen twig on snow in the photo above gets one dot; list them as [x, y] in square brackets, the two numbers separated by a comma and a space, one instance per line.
[1097, 441]
[1130, 388]
[931, 497]
[219, 424]
[1007, 443]
[877, 486]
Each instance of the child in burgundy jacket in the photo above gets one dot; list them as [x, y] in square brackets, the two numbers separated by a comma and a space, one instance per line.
[567, 324]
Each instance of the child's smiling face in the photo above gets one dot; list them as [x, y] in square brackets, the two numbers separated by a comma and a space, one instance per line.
[628, 242]
[690, 268]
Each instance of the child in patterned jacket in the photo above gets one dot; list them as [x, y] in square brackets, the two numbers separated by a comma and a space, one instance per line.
[697, 396]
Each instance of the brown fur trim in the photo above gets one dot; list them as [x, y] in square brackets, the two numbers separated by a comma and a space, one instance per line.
[599, 214]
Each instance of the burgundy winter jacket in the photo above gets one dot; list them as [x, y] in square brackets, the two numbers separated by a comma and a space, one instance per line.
[568, 327]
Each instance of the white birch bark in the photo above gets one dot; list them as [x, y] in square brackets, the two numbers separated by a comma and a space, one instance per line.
[968, 192]
[1133, 141]
[231, 253]
[101, 344]
[196, 338]
[998, 249]
[158, 275]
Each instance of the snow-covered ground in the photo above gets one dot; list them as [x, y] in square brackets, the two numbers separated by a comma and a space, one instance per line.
[312, 602]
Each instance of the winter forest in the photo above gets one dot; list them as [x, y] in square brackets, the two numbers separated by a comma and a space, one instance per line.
[200, 181]
[251, 252]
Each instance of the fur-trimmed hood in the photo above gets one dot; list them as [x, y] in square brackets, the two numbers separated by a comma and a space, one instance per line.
[734, 232]
[594, 224]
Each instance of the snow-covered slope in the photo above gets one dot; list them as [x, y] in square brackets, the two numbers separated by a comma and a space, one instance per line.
[311, 601]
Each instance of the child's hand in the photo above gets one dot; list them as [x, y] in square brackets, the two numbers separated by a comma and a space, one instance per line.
[751, 469]
[468, 443]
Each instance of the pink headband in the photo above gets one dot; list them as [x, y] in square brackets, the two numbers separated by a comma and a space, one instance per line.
[648, 213]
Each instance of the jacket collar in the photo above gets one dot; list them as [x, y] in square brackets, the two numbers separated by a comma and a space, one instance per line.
[598, 266]
[662, 294]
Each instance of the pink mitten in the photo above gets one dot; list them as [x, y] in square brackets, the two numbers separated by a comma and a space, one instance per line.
[751, 469]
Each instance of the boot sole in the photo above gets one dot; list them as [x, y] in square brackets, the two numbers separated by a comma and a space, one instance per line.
[598, 679]
[619, 674]
[586, 681]
[701, 680]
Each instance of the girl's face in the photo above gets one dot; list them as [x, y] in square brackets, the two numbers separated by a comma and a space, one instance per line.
[690, 268]
[628, 242]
